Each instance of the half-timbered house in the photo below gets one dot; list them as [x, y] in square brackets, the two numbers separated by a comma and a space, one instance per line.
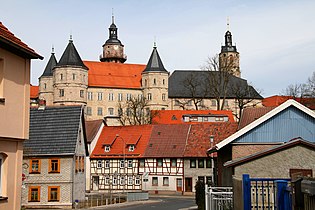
[162, 166]
[114, 161]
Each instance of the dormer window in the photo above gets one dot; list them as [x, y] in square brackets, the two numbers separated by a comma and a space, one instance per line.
[131, 148]
[107, 148]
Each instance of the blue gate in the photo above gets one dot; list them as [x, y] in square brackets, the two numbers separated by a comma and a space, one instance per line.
[266, 193]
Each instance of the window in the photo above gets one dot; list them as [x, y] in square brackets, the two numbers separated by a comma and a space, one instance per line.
[208, 163]
[120, 111]
[130, 180]
[53, 193]
[226, 103]
[163, 81]
[111, 96]
[201, 163]
[90, 96]
[129, 163]
[120, 96]
[114, 180]
[155, 181]
[213, 102]
[165, 181]
[177, 103]
[34, 166]
[140, 97]
[34, 194]
[107, 180]
[154, 81]
[209, 180]
[99, 111]
[99, 96]
[159, 162]
[131, 148]
[128, 96]
[54, 166]
[192, 163]
[128, 112]
[122, 163]
[89, 111]
[122, 180]
[201, 178]
[107, 148]
[61, 92]
[45, 86]
[173, 162]
[163, 97]
[137, 180]
[149, 96]
[107, 164]
[81, 93]
[141, 162]
[61, 76]
[110, 111]
[145, 83]
[1, 162]
[189, 103]
[99, 164]
[73, 76]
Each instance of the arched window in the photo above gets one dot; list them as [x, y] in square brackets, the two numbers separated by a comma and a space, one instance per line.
[61, 76]
[154, 81]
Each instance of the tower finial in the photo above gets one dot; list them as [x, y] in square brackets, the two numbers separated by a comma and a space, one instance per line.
[228, 23]
[70, 40]
[52, 50]
[112, 15]
[154, 44]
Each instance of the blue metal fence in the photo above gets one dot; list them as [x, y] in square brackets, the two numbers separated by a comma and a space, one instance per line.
[266, 193]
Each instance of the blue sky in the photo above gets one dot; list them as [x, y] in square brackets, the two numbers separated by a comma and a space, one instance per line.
[275, 38]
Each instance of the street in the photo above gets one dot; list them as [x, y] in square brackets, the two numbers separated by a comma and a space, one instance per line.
[158, 203]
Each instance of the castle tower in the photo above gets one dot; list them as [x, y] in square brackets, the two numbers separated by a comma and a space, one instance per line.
[70, 77]
[229, 57]
[113, 49]
[46, 90]
[155, 82]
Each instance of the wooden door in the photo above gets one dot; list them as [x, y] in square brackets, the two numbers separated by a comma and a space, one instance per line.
[179, 185]
[188, 184]
[95, 182]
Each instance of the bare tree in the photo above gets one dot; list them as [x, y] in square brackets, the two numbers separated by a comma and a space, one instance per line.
[296, 90]
[311, 85]
[220, 72]
[135, 111]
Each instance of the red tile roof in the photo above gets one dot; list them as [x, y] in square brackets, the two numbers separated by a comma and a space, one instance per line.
[199, 137]
[34, 91]
[176, 116]
[251, 114]
[167, 141]
[8, 37]
[92, 127]
[137, 134]
[114, 75]
[277, 100]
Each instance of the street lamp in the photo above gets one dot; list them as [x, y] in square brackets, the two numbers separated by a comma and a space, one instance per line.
[124, 160]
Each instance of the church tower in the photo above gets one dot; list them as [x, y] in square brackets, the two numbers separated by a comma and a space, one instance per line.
[70, 77]
[46, 91]
[155, 82]
[113, 49]
[229, 57]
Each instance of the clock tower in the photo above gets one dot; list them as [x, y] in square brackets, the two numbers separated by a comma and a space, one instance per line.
[113, 49]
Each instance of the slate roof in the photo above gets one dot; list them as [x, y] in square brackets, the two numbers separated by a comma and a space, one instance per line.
[114, 75]
[52, 62]
[92, 127]
[289, 144]
[251, 114]
[54, 130]
[176, 116]
[71, 57]
[177, 88]
[167, 141]
[12, 43]
[119, 137]
[199, 137]
[155, 63]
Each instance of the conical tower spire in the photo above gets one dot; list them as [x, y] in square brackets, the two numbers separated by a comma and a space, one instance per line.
[52, 62]
[71, 57]
[155, 63]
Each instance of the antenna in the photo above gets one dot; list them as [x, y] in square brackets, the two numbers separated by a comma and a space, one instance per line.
[228, 23]
[112, 15]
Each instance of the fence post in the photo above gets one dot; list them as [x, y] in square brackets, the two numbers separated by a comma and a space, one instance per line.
[283, 197]
[246, 192]
[206, 197]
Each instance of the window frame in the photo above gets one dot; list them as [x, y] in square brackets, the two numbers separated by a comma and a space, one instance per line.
[193, 163]
[31, 171]
[155, 181]
[81, 93]
[131, 148]
[49, 193]
[141, 162]
[166, 181]
[61, 92]
[30, 188]
[99, 164]
[50, 166]
[111, 111]
[129, 164]
[201, 163]
[208, 163]
[107, 163]
[159, 162]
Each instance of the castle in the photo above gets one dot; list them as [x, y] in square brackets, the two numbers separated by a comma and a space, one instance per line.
[102, 85]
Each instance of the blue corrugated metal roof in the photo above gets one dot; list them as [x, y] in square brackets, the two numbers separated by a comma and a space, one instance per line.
[288, 124]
